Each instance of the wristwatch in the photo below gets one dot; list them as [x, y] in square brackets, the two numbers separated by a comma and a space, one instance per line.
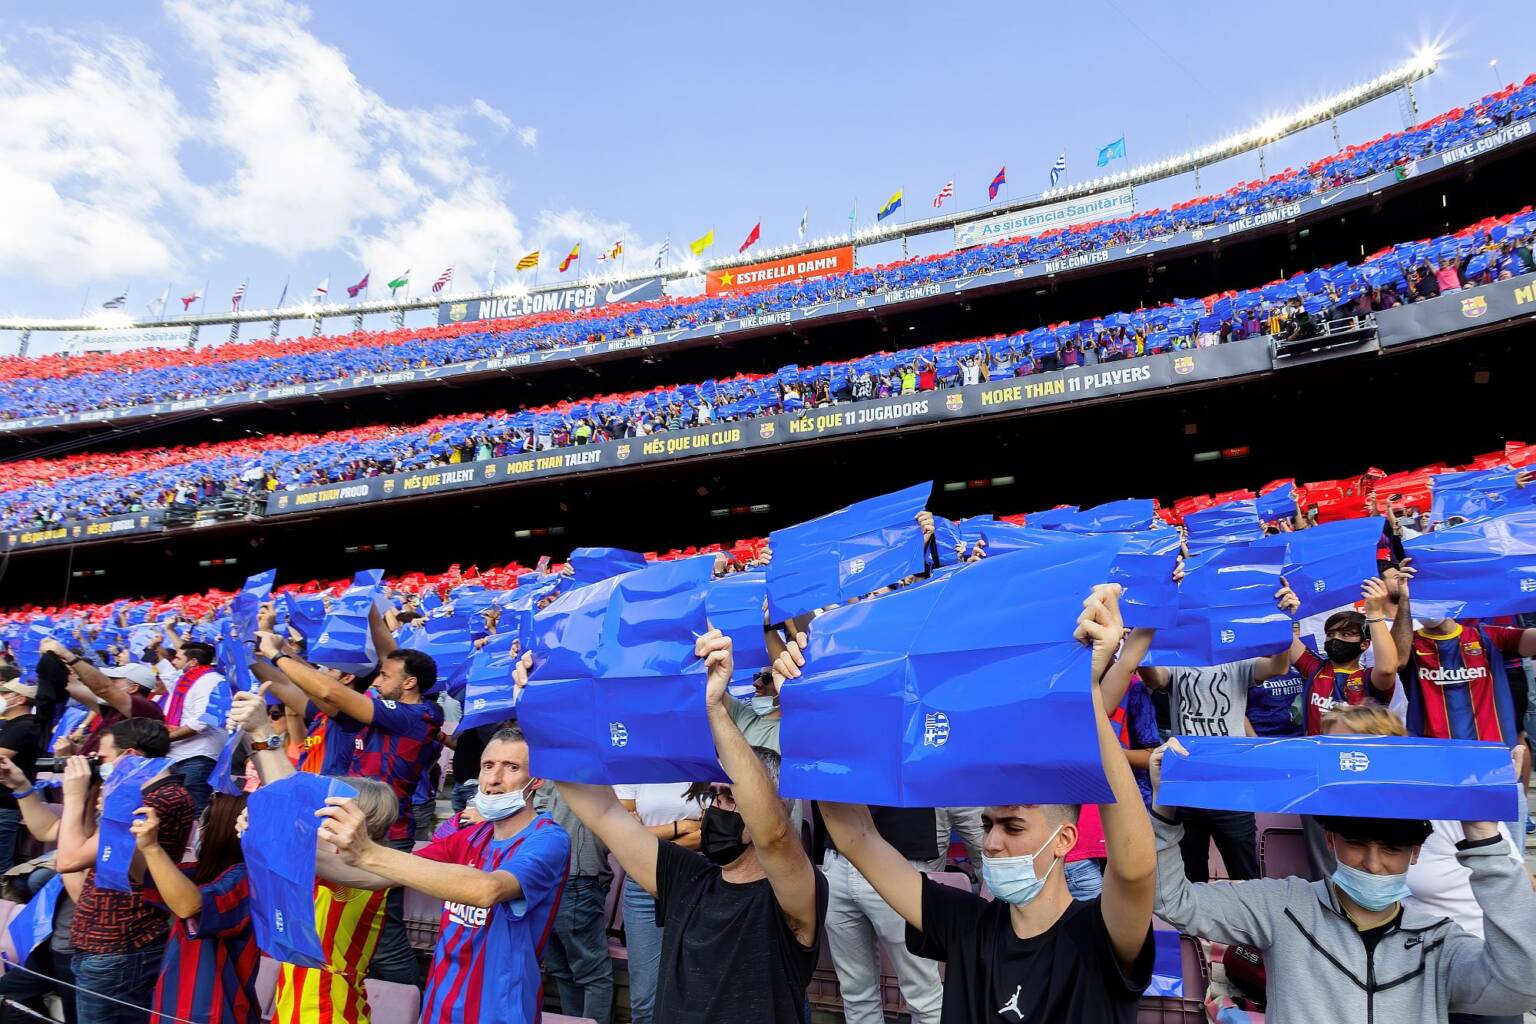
[273, 742]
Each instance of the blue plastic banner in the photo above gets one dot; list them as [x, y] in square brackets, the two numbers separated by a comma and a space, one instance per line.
[846, 554]
[1326, 564]
[280, 859]
[447, 639]
[1227, 610]
[306, 613]
[617, 695]
[246, 605]
[1234, 522]
[1353, 776]
[1144, 567]
[1481, 568]
[943, 679]
[734, 604]
[33, 923]
[222, 778]
[1167, 965]
[1125, 516]
[345, 642]
[1477, 495]
[1279, 503]
[488, 697]
[122, 794]
[592, 565]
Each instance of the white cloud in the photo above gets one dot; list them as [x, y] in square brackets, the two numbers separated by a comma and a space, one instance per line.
[90, 164]
[304, 158]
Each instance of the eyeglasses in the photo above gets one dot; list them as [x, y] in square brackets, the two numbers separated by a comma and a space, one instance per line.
[715, 794]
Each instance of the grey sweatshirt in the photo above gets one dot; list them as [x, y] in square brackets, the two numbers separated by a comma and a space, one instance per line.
[1317, 965]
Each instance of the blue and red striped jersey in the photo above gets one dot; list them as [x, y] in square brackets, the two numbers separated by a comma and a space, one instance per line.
[486, 965]
[209, 970]
[1457, 684]
[1327, 685]
[399, 745]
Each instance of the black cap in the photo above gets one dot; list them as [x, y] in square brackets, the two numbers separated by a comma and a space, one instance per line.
[1392, 831]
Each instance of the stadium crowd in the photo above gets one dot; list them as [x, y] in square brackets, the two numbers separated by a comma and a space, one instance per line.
[59, 384]
[44, 492]
[191, 735]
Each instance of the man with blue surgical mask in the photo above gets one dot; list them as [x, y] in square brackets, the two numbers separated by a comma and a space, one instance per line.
[1033, 953]
[1347, 948]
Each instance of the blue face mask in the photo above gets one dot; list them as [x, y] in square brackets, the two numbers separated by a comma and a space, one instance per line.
[1012, 879]
[496, 806]
[1373, 892]
[762, 705]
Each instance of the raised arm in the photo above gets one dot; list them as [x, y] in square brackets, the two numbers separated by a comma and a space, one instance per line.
[39, 818]
[1117, 680]
[77, 845]
[383, 639]
[779, 851]
[176, 890]
[283, 688]
[345, 827]
[315, 684]
[1399, 607]
[1279, 663]
[1130, 881]
[102, 689]
[1378, 625]
[249, 712]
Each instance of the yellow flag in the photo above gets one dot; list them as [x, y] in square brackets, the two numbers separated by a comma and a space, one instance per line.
[698, 245]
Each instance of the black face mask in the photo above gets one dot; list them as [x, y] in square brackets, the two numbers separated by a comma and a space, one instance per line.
[720, 835]
[1342, 652]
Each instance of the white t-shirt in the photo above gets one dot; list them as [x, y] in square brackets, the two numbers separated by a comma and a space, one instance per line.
[206, 741]
[1441, 884]
[660, 803]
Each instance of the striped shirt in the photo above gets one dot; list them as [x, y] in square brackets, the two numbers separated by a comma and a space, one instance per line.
[485, 969]
[348, 921]
[1457, 684]
[400, 744]
[209, 970]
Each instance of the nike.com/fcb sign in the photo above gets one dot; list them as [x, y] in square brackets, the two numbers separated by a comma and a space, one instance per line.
[574, 298]
[790, 268]
[1102, 206]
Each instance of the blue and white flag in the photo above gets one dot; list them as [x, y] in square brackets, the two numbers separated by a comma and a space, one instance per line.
[1058, 168]
[1114, 151]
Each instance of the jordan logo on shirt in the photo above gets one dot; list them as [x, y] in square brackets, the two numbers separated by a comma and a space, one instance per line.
[1012, 1005]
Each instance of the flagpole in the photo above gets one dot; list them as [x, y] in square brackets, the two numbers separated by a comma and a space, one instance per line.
[86, 301]
[204, 307]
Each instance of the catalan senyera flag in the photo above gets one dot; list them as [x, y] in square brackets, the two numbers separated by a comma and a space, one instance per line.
[698, 245]
[572, 257]
[891, 206]
[529, 262]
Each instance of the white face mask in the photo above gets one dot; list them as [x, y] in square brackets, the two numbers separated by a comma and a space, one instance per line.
[497, 806]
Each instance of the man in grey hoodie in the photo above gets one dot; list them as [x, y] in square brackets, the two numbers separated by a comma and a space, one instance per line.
[1346, 949]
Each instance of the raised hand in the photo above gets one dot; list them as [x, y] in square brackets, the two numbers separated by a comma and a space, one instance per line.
[715, 648]
[145, 828]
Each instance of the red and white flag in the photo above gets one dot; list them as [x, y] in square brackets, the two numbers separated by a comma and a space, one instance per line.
[443, 280]
[234, 300]
[944, 193]
[187, 300]
[321, 289]
[752, 237]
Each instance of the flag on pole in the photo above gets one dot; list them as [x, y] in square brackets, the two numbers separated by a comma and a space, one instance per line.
[698, 245]
[353, 290]
[399, 282]
[116, 302]
[891, 206]
[235, 299]
[321, 289]
[571, 257]
[443, 280]
[944, 193]
[804, 219]
[157, 306]
[284, 296]
[529, 262]
[752, 236]
[1114, 151]
[1058, 168]
[612, 254]
[187, 300]
[998, 181]
[661, 254]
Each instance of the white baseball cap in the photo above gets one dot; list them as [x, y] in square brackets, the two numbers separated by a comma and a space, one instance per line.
[138, 673]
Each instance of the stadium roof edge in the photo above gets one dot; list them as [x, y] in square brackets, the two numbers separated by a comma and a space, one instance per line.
[1419, 66]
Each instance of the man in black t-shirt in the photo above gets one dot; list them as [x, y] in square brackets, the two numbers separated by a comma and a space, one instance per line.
[739, 920]
[20, 741]
[1033, 953]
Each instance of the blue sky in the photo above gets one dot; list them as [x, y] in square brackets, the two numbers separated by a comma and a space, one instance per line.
[274, 141]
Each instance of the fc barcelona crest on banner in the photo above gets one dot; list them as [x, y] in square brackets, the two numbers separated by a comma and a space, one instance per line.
[954, 402]
[490, 471]
[765, 429]
[1474, 307]
[622, 452]
[1184, 364]
[457, 311]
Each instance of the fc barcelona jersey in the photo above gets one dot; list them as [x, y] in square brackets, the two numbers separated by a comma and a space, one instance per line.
[1457, 685]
